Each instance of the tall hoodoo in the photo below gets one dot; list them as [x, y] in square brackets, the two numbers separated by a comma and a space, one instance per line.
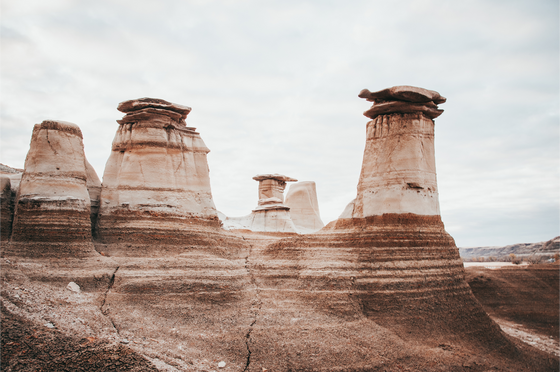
[156, 182]
[388, 261]
[398, 171]
[53, 204]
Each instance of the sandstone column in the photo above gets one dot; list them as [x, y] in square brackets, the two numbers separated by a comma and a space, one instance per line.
[271, 215]
[53, 204]
[304, 207]
[387, 266]
[156, 183]
[398, 171]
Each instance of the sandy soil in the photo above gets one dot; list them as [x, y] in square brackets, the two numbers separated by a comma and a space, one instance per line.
[522, 299]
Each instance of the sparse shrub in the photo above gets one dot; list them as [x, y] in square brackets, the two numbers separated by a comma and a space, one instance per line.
[556, 257]
[511, 257]
[492, 259]
[516, 261]
[534, 259]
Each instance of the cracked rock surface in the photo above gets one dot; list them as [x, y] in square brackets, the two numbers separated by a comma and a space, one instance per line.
[344, 299]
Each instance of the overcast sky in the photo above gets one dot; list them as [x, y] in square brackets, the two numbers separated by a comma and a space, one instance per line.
[274, 84]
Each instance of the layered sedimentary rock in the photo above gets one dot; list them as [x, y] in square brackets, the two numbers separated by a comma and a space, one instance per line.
[271, 214]
[7, 208]
[389, 273]
[304, 207]
[53, 204]
[156, 183]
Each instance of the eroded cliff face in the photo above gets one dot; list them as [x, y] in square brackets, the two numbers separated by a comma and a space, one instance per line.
[156, 182]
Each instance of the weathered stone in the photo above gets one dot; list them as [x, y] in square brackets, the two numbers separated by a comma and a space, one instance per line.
[398, 171]
[271, 190]
[156, 184]
[403, 99]
[7, 205]
[94, 191]
[304, 207]
[271, 214]
[403, 93]
[53, 204]
[143, 103]
[73, 287]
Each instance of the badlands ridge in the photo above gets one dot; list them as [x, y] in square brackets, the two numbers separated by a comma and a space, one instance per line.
[141, 272]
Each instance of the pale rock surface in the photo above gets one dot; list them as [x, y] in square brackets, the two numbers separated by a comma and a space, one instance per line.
[304, 207]
[348, 210]
[73, 287]
[271, 214]
[53, 203]
[156, 181]
[398, 171]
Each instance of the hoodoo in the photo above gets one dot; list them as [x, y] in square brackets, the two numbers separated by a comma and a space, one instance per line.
[272, 214]
[53, 204]
[399, 170]
[156, 183]
[304, 206]
[387, 274]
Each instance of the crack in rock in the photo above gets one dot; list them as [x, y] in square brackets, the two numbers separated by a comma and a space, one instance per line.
[49, 142]
[256, 302]
[106, 311]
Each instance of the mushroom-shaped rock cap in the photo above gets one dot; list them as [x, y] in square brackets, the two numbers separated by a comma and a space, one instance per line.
[274, 176]
[143, 103]
[403, 93]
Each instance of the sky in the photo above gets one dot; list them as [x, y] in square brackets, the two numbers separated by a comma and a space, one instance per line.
[274, 89]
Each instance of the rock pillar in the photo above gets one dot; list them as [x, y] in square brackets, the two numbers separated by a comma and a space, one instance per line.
[53, 204]
[156, 183]
[304, 206]
[398, 171]
[271, 214]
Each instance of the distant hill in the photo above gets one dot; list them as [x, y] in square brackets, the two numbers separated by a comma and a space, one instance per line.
[548, 248]
[7, 169]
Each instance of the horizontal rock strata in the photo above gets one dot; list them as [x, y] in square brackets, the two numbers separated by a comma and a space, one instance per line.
[390, 280]
[53, 204]
[156, 183]
[398, 170]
